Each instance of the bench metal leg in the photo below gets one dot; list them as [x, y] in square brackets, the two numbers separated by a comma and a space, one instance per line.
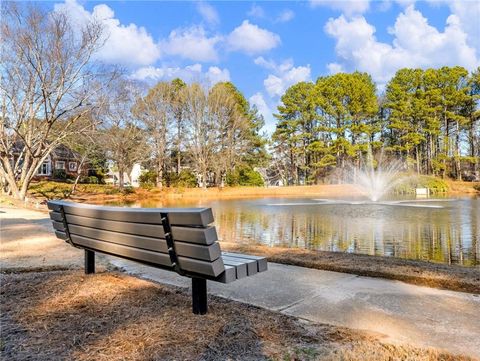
[89, 261]
[199, 296]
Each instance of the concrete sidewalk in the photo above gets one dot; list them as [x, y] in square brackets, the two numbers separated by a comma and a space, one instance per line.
[404, 313]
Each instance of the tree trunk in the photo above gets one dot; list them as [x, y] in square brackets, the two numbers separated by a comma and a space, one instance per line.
[417, 159]
[79, 174]
[204, 180]
[179, 131]
[458, 165]
[159, 179]
[446, 146]
[121, 177]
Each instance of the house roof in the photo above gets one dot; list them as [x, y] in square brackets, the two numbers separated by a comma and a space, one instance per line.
[61, 151]
[64, 152]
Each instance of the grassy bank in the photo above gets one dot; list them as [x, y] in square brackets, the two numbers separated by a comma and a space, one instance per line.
[108, 316]
[451, 277]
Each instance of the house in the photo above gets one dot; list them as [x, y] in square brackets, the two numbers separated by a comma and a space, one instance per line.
[61, 163]
[132, 179]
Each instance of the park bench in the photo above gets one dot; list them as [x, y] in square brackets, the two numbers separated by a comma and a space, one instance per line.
[175, 239]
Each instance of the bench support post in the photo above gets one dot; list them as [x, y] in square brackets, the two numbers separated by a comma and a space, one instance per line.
[89, 262]
[199, 296]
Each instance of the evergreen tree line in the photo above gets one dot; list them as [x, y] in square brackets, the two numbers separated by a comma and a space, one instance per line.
[428, 119]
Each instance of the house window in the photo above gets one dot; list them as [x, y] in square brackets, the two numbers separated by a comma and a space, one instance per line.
[44, 169]
[59, 164]
[72, 166]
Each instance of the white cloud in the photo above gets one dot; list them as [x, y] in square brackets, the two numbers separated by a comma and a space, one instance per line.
[191, 43]
[284, 75]
[189, 74]
[267, 64]
[347, 7]
[217, 75]
[258, 100]
[468, 14]
[415, 44]
[251, 39]
[265, 110]
[285, 16]
[256, 11]
[129, 45]
[335, 68]
[208, 13]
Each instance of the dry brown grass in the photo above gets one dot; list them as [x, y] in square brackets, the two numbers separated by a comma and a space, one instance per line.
[240, 192]
[109, 316]
[460, 187]
[451, 277]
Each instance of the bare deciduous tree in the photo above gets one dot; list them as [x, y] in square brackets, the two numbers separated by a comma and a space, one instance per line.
[48, 82]
[201, 128]
[123, 139]
[85, 145]
[156, 111]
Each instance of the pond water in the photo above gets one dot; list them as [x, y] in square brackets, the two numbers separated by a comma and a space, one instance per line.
[443, 230]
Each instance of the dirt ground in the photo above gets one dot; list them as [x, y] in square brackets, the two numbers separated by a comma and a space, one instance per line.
[111, 316]
[451, 277]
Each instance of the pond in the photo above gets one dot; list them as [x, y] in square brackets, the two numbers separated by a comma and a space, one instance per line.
[442, 230]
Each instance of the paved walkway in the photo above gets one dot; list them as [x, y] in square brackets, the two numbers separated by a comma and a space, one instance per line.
[402, 312]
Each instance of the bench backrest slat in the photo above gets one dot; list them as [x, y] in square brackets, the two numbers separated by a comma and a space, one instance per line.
[196, 217]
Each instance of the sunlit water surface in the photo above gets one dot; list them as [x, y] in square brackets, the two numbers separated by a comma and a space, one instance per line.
[447, 230]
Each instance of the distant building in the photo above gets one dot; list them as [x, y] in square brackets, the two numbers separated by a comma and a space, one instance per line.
[61, 160]
[61, 163]
[132, 179]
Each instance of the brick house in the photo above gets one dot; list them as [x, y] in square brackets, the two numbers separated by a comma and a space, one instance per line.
[62, 159]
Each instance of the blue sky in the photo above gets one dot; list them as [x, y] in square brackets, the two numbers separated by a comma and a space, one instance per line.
[264, 47]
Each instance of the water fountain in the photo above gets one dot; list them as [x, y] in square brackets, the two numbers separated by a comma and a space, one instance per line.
[375, 179]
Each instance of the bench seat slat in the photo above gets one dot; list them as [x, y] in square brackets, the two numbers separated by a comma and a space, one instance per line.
[201, 217]
[240, 268]
[261, 261]
[212, 269]
[250, 264]
[228, 276]
[205, 253]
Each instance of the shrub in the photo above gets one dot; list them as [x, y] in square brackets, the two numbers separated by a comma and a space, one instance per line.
[59, 174]
[148, 179]
[185, 179]
[477, 187]
[244, 176]
[128, 190]
[90, 180]
[434, 184]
